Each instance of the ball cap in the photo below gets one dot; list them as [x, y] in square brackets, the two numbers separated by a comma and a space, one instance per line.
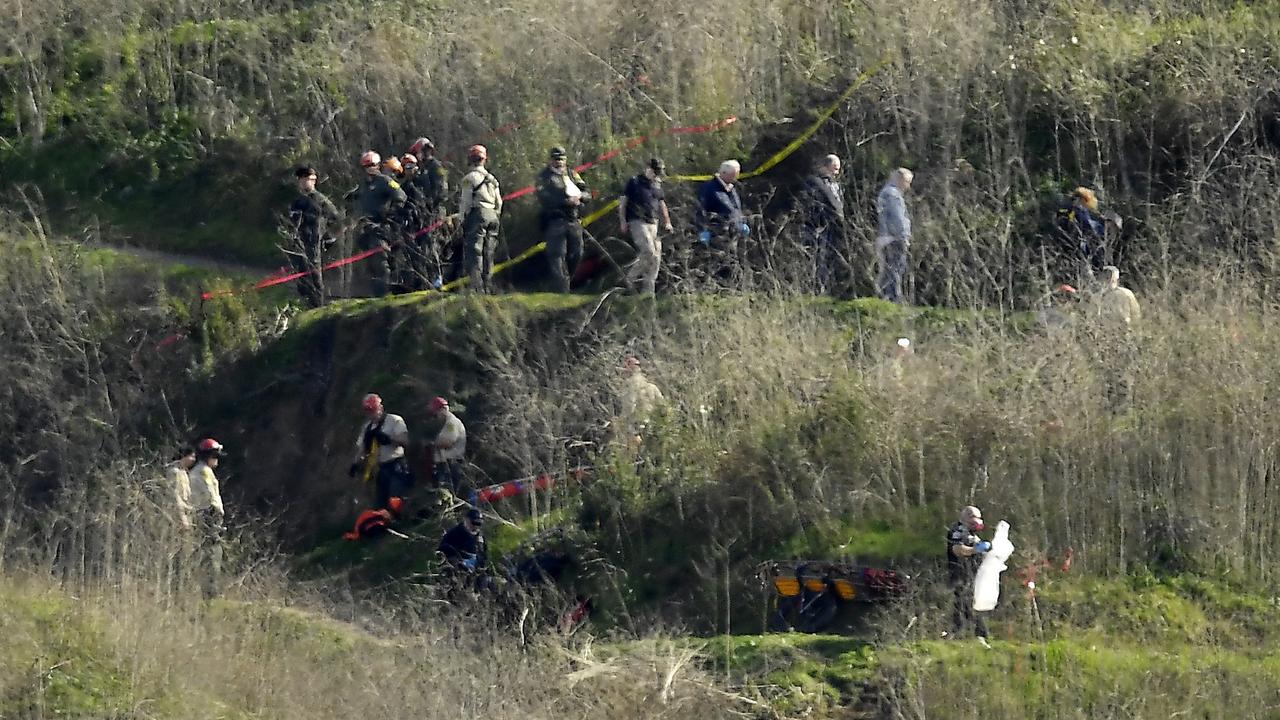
[558, 153]
[657, 166]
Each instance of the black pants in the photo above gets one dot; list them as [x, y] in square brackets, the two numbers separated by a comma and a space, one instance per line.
[965, 615]
[306, 259]
[564, 250]
[394, 479]
[449, 474]
[375, 234]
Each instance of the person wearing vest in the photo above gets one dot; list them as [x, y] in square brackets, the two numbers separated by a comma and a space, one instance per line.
[379, 199]
[380, 454]
[209, 516]
[561, 194]
[310, 216]
[480, 208]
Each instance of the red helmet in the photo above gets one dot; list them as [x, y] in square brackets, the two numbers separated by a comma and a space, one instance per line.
[370, 159]
[419, 144]
[408, 159]
[477, 154]
[209, 446]
[371, 402]
[438, 404]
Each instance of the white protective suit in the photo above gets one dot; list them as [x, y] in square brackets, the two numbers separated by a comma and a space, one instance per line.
[986, 584]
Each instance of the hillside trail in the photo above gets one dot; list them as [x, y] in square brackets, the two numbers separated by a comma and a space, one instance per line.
[203, 262]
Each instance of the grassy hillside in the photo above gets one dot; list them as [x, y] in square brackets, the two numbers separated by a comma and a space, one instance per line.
[1104, 649]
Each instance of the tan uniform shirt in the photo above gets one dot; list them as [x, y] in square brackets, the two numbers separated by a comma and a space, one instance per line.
[1119, 305]
[480, 189]
[640, 397]
[179, 485]
[205, 494]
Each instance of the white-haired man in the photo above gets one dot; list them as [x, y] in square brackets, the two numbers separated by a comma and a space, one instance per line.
[894, 239]
[720, 216]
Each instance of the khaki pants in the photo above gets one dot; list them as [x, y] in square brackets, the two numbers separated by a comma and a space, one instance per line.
[649, 255]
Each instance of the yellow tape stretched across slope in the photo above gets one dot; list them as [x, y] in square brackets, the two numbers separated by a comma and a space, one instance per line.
[805, 136]
[764, 167]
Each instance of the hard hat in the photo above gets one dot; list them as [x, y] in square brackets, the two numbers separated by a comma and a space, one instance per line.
[209, 446]
[558, 153]
[408, 159]
[371, 402]
[477, 153]
[393, 164]
[438, 404]
[370, 159]
[419, 144]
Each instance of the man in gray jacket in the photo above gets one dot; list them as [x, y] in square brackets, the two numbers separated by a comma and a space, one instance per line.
[894, 238]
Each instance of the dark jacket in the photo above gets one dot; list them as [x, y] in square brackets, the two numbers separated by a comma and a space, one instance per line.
[644, 199]
[553, 194]
[823, 200]
[378, 197]
[460, 544]
[720, 205]
[430, 185]
[961, 569]
[309, 216]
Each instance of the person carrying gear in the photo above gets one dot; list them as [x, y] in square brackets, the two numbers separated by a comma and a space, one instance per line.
[894, 238]
[379, 199]
[310, 216]
[209, 515]
[964, 554]
[463, 547]
[480, 209]
[380, 455]
[449, 450]
[641, 206]
[720, 217]
[822, 214]
[561, 193]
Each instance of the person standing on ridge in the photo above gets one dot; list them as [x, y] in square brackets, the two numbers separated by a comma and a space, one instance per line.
[449, 450]
[379, 199]
[561, 194]
[380, 454]
[641, 206]
[480, 209]
[822, 214]
[431, 188]
[964, 554]
[310, 217]
[209, 515]
[894, 239]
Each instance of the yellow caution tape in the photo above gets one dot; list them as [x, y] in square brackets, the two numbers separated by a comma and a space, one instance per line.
[764, 167]
[805, 136]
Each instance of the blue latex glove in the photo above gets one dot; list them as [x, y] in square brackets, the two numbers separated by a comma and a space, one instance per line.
[438, 282]
[746, 229]
[704, 237]
[469, 563]
[982, 547]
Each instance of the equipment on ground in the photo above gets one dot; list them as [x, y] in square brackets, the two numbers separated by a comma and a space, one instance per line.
[808, 595]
